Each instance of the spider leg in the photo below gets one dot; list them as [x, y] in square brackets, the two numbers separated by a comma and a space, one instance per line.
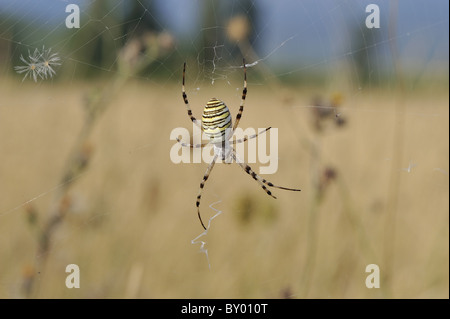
[185, 99]
[249, 137]
[244, 95]
[191, 145]
[202, 185]
[261, 181]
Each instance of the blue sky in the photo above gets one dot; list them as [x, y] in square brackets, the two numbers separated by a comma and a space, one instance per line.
[316, 29]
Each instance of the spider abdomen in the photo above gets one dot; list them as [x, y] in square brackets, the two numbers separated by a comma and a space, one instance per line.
[216, 121]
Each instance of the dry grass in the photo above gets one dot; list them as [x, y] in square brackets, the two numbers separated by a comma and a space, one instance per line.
[132, 214]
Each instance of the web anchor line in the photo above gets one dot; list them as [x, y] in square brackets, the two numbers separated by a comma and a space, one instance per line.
[205, 232]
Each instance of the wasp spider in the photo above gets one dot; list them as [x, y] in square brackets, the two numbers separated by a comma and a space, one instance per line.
[217, 125]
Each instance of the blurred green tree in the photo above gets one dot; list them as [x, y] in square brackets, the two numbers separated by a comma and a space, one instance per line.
[96, 45]
[368, 57]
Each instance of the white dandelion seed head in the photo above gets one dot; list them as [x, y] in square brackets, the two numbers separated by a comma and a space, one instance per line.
[32, 68]
[49, 60]
[39, 64]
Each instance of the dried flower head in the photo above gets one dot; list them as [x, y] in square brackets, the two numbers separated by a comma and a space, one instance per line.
[49, 60]
[322, 111]
[238, 28]
[32, 67]
[39, 64]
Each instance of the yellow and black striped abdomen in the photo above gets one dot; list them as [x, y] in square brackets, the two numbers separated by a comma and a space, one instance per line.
[216, 119]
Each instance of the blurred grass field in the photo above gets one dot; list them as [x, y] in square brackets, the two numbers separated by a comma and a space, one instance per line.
[132, 212]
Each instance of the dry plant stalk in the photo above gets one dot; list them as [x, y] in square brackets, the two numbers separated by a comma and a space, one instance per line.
[136, 55]
[322, 176]
[398, 145]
